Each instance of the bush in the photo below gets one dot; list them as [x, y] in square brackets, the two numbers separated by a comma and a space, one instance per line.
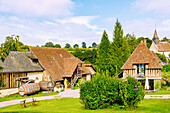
[162, 57]
[166, 68]
[104, 91]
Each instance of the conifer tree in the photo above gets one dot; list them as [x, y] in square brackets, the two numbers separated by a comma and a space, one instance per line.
[119, 50]
[102, 56]
[132, 41]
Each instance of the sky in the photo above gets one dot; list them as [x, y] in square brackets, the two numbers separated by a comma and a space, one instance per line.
[77, 21]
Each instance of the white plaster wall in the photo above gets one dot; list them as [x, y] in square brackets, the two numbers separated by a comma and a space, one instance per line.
[153, 48]
[88, 77]
[35, 75]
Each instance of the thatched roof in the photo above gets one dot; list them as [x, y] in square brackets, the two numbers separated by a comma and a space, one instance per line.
[142, 55]
[20, 62]
[57, 62]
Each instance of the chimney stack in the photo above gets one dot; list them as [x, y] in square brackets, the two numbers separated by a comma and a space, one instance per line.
[145, 41]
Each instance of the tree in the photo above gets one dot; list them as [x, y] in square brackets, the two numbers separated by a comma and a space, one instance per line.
[90, 47]
[165, 40]
[94, 45]
[57, 46]
[49, 44]
[119, 50]
[132, 42]
[75, 45]
[84, 45]
[12, 43]
[67, 45]
[162, 57]
[149, 42]
[102, 56]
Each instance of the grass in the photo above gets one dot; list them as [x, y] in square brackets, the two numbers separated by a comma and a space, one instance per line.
[17, 96]
[70, 105]
[161, 92]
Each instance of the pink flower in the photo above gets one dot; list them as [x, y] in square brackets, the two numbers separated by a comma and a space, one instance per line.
[135, 86]
[138, 86]
[136, 89]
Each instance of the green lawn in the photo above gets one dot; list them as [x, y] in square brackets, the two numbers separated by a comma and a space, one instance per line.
[70, 105]
[17, 96]
[161, 92]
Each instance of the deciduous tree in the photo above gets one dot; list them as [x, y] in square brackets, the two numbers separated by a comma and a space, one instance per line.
[84, 45]
[67, 45]
[94, 45]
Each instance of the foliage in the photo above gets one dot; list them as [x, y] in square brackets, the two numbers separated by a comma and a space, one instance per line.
[157, 84]
[84, 45]
[104, 91]
[119, 50]
[57, 46]
[49, 44]
[88, 56]
[132, 42]
[162, 57]
[102, 56]
[67, 45]
[73, 105]
[94, 45]
[75, 45]
[149, 42]
[78, 84]
[166, 68]
[165, 39]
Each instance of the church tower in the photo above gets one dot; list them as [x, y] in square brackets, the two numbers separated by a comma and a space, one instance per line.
[155, 38]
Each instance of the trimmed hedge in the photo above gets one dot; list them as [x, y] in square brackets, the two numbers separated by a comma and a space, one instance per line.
[104, 91]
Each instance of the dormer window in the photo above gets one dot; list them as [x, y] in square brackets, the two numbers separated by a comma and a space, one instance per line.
[141, 69]
[61, 55]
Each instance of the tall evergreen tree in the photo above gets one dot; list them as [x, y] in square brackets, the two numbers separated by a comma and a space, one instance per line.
[102, 56]
[132, 42]
[119, 50]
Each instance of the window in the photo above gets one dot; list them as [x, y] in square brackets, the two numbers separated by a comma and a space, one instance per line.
[141, 69]
[61, 55]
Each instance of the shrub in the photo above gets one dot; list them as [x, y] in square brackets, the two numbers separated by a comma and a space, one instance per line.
[104, 91]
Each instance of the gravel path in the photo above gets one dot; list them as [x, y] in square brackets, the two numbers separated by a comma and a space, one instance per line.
[71, 94]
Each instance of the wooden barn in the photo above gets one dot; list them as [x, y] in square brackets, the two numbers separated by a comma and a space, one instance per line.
[61, 66]
[19, 67]
[145, 66]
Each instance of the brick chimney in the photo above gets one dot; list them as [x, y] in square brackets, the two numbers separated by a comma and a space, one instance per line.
[145, 41]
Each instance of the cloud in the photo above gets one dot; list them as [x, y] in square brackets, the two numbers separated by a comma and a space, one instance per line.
[82, 20]
[34, 32]
[52, 8]
[146, 27]
[156, 6]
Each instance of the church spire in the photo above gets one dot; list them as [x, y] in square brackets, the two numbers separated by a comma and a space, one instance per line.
[155, 38]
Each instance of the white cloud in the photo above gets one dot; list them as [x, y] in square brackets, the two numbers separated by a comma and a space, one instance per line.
[82, 20]
[37, 7]
[33, 32]
[156, 6]
[146, 27]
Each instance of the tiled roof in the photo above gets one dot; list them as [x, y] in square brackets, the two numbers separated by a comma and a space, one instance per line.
[163, 47]
[142, 55]
[57, 62]
[20, 62]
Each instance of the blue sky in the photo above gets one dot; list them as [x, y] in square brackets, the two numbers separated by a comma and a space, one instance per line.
[75, 21]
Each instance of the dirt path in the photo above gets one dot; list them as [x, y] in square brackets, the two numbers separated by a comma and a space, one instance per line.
[71, 94]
